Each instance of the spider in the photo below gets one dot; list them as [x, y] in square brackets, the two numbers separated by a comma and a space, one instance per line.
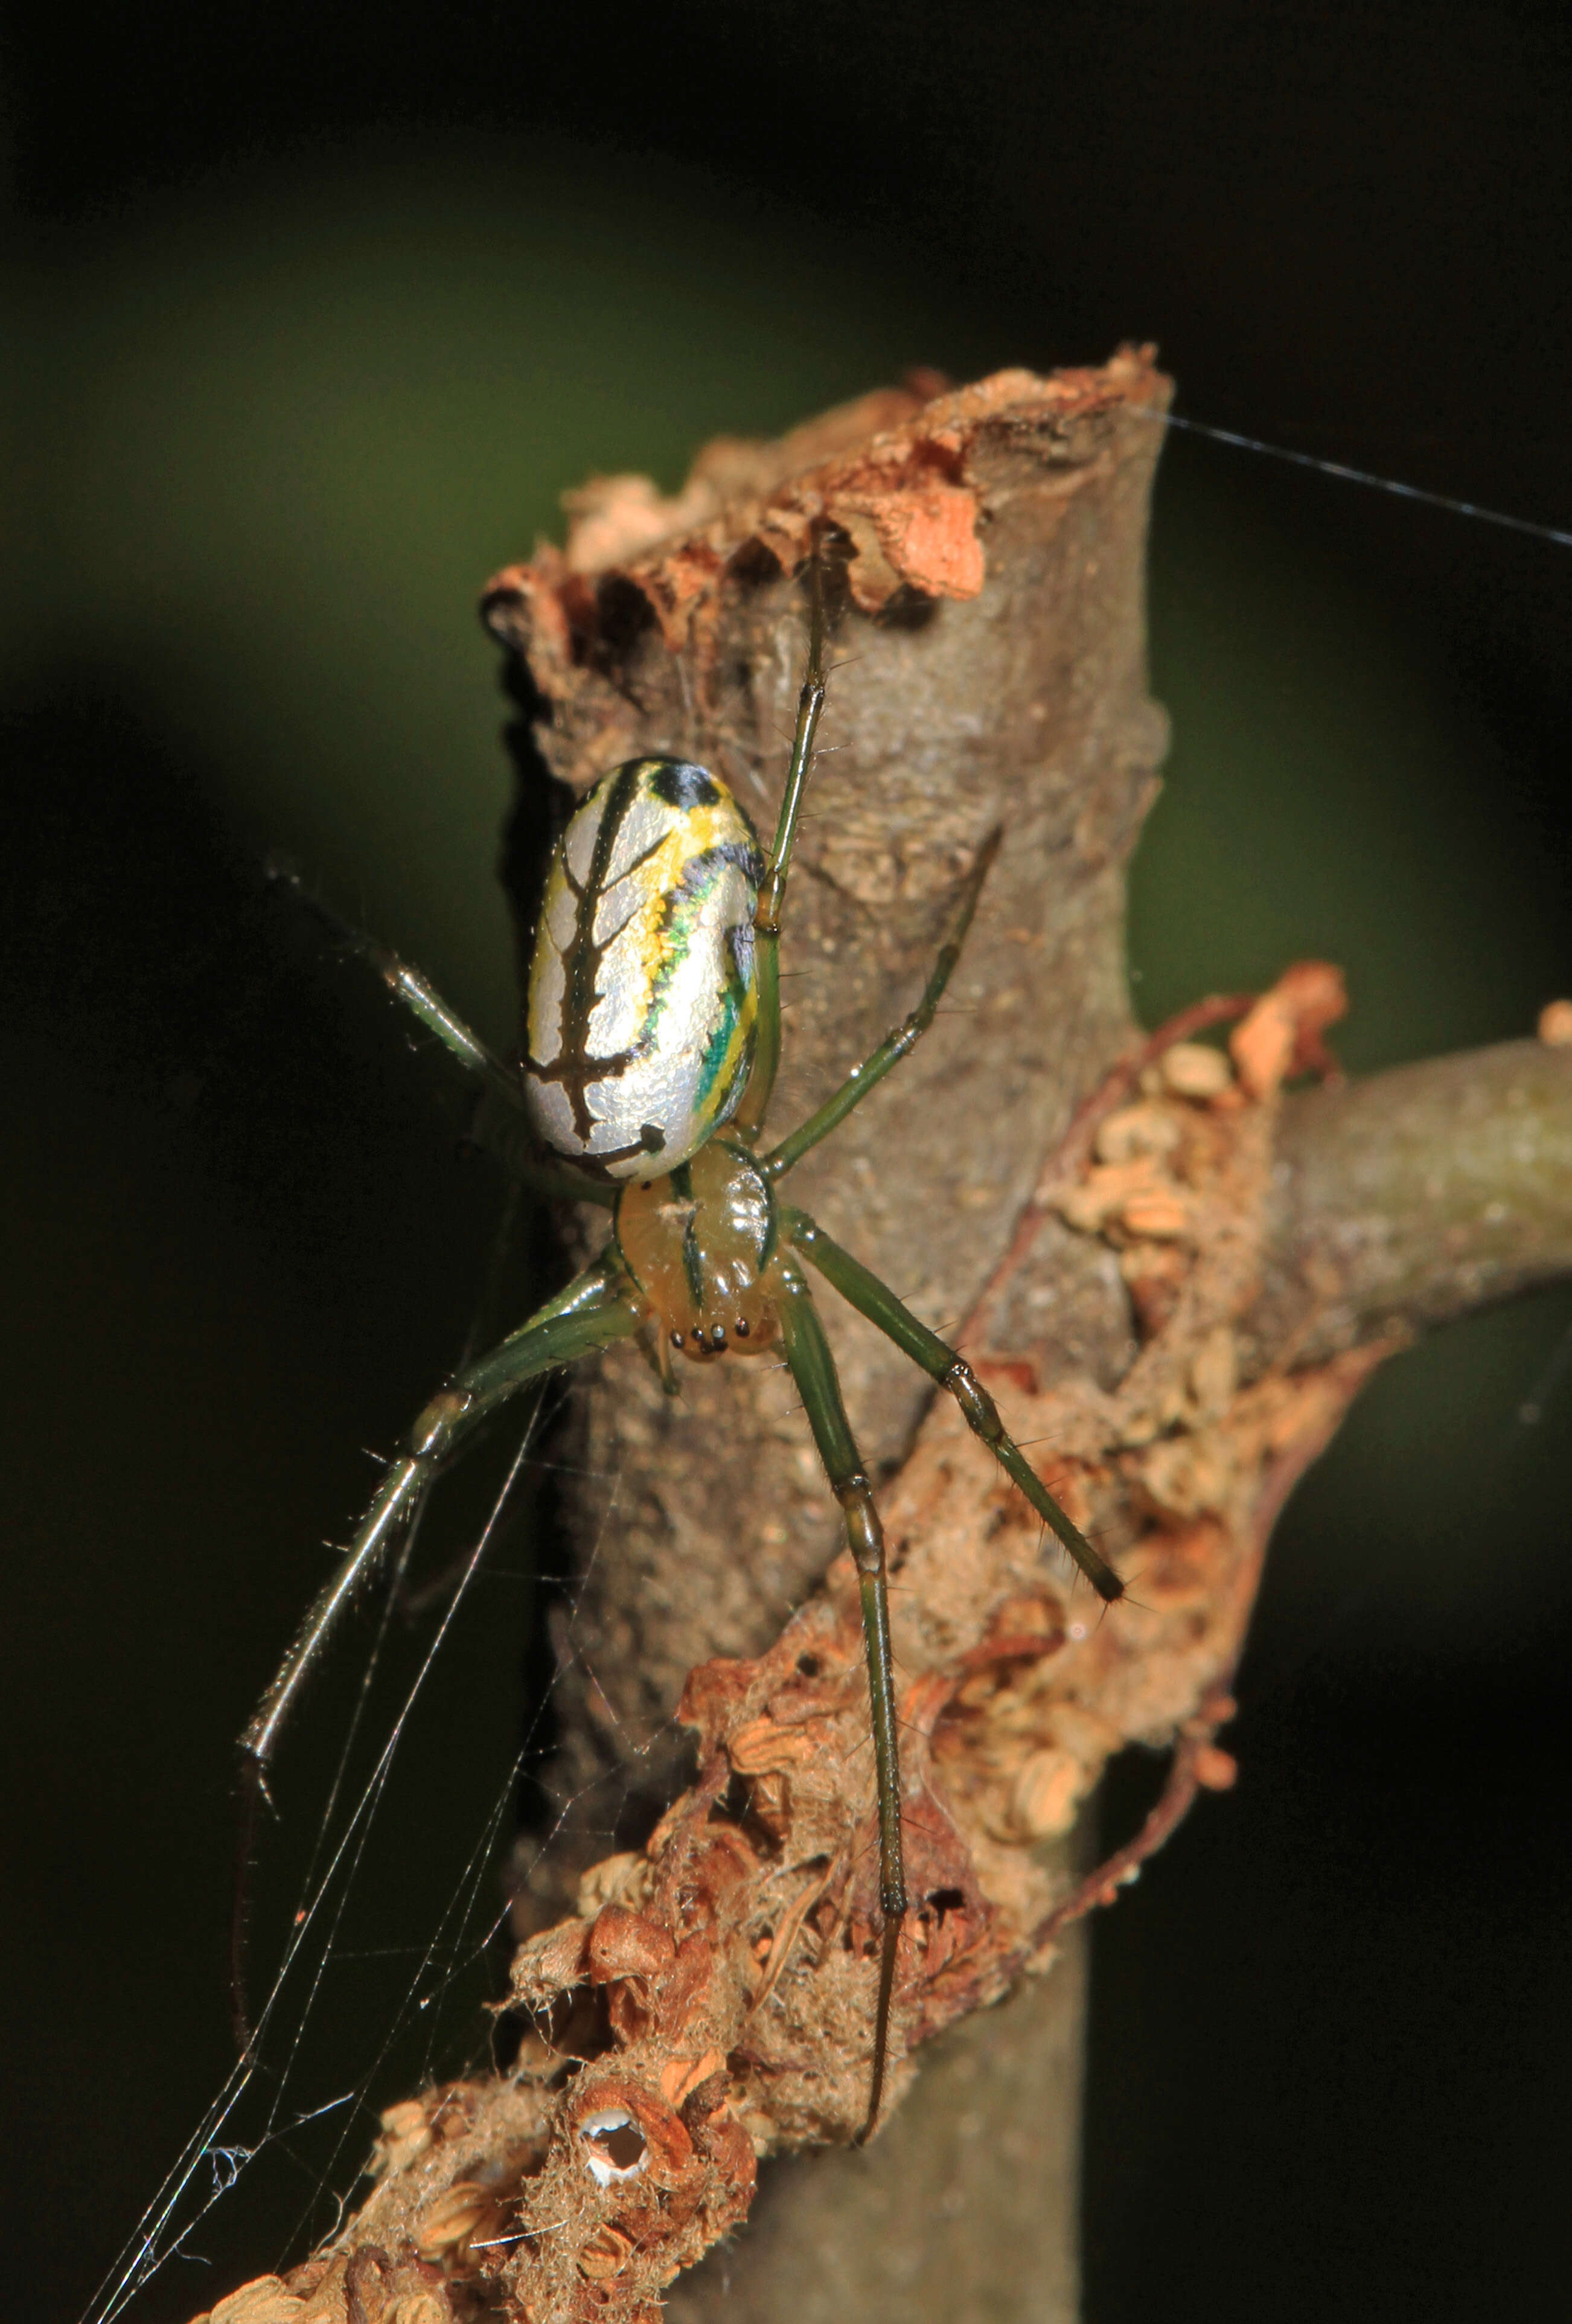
[654, 1037]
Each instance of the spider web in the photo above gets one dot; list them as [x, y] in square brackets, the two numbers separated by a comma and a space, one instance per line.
[379, 1944]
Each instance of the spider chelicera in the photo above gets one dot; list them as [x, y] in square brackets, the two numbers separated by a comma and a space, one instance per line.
[654, 1036]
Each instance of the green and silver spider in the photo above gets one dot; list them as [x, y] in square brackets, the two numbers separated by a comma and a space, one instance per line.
[654, 1036]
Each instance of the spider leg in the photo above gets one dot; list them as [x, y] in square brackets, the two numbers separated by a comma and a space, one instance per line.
[500, 1125]
[748, 1117]
[904, 1037]
[812, 1366]
[873, 1298]
[597, 1307]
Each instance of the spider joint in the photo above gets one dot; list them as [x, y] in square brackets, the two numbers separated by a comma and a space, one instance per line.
[982, 1414]
[431, 1434]
[864, 1534]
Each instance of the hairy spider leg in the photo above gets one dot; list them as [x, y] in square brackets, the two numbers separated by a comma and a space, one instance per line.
[812, 1366]
[749, 1119]
[598, 1307]
[500, 1127]
[906, 1036]
[807, 1350]
[862, 1289]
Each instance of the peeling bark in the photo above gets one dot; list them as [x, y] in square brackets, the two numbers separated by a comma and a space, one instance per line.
[1175, 1279]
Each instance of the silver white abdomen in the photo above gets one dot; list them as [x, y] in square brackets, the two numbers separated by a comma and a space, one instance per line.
[643, 994]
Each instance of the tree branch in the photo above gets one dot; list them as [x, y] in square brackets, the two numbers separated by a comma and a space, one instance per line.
[1416, 1196]
[1174, 1308]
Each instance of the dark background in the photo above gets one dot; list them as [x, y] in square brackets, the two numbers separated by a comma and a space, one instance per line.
[313, 317]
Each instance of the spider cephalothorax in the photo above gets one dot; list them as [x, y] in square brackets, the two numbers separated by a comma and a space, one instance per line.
[700, 1244]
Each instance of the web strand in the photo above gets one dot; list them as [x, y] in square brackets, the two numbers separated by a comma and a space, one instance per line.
[226, 2145]
[1343, 473]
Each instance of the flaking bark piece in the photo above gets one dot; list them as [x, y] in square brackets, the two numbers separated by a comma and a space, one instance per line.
[643, 580]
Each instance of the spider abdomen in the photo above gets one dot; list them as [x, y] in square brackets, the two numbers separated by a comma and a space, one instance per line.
[643, 991]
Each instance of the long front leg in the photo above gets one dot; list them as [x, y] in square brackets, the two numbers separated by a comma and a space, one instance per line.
[863, 1290]
[812, 1366]
[500, 1127]
[597, 1309]
[906, 1036]
[749, 1119]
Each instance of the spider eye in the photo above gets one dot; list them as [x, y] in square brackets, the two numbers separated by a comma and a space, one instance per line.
[676, 1339]
[741, 1327]
[718, 1336]
[615, 2148]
